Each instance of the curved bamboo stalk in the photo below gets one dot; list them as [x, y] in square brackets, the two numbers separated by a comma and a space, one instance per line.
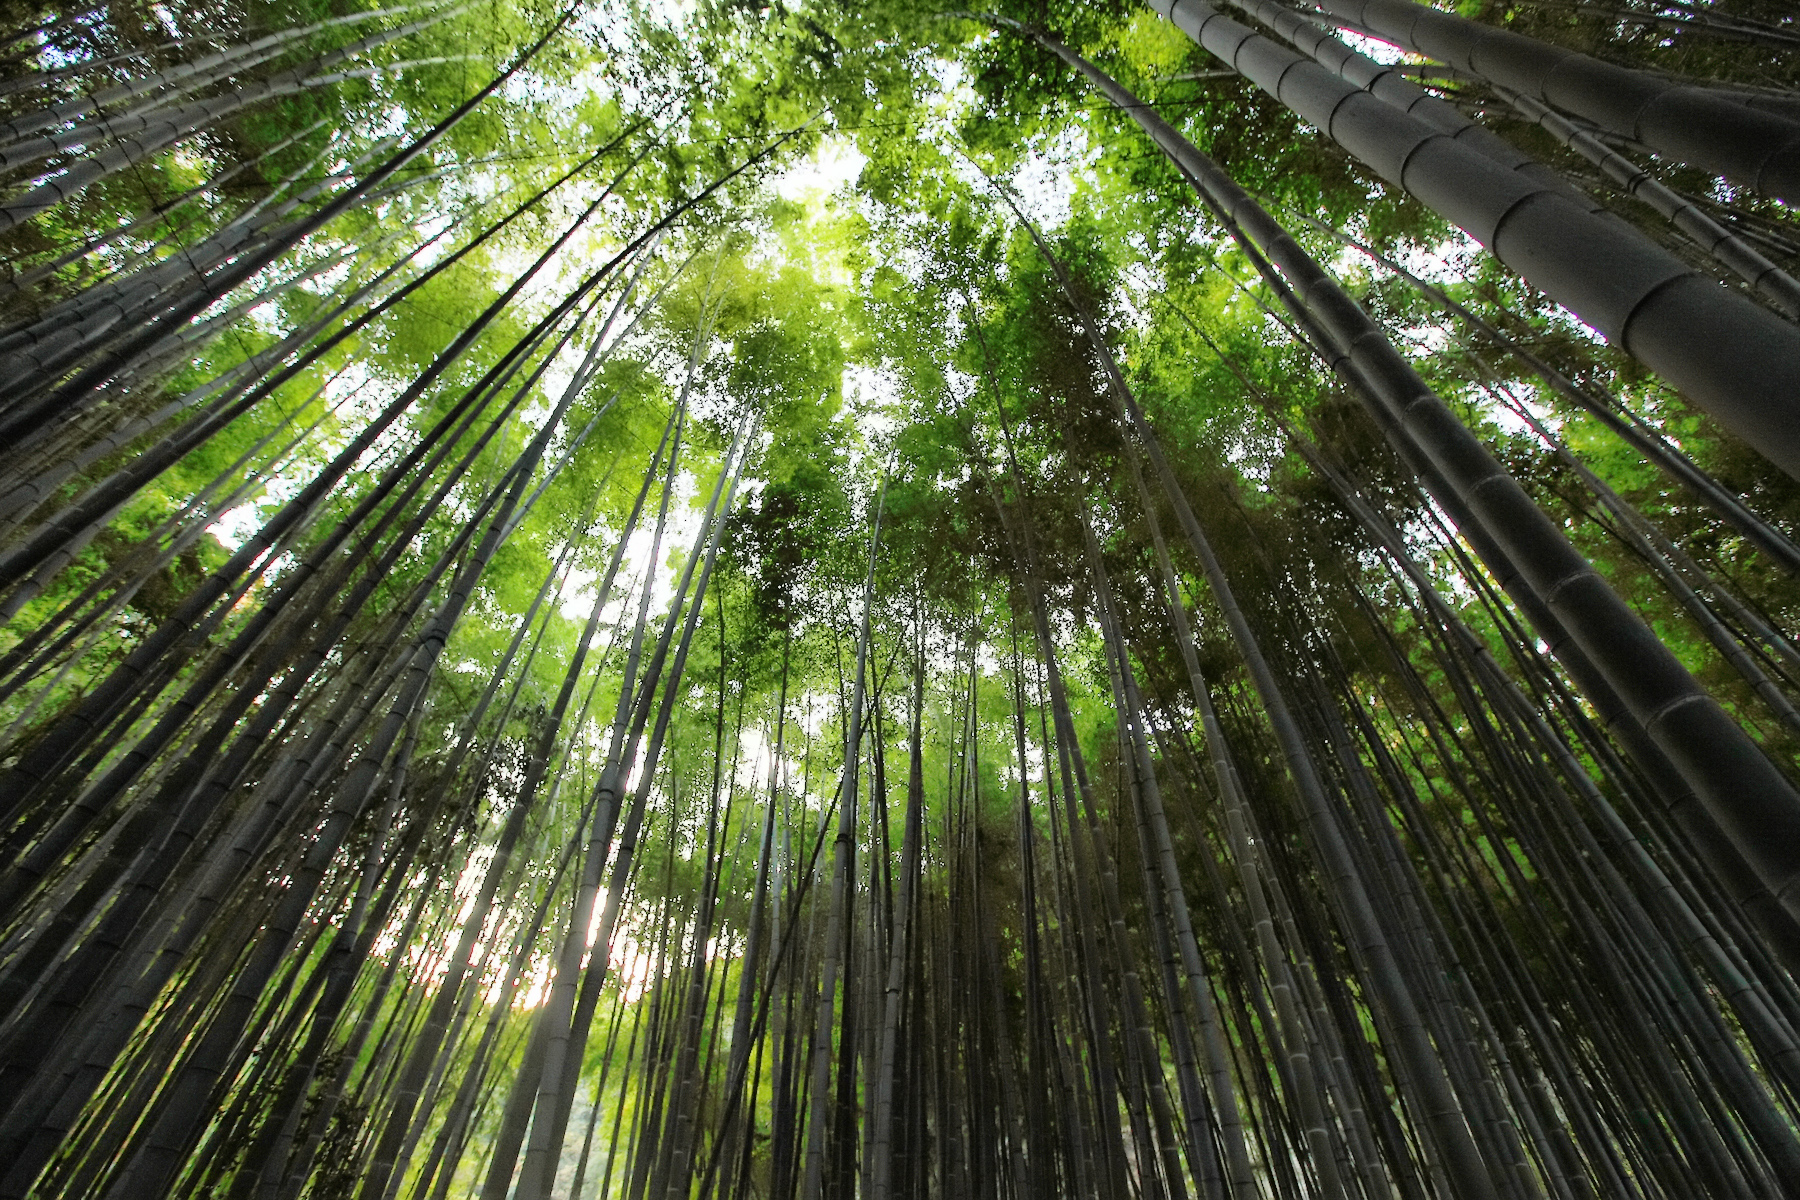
[1690, 123]
[1729, 355]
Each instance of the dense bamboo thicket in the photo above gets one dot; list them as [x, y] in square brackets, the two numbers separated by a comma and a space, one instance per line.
[626, 602]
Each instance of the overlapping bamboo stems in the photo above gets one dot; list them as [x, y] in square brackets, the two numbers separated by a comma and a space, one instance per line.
[151, 126]
[1771, 1030]
[242, 401]
[1483, 1071]
[1404, 1030]
[121, 775]
[1146, 1092]
[70, 632]
[443, 564]
[1745, 891]
[1696, 736]
[566, 1049]
[1673, 566]
[583, 374]
[975, 1089]
[594, 1107]
[674, 1175]
[1311, 1070]
[196, 903]
[78, 388]
[1605, 407]
[1762, 273]
[338, 973]
[552, 725]
[1701, 125]
[283, 1174]
[160, 214]
[787, 940]
[737, 1123]
[386, 1162]
[344, 460]
[527, 1084]
[183, 1108]
[222, 775]
[1168, 917]
[246, 388]
[979, 1109]
[52, 334]
[1687, 17]
[1110, 1172]
[1051, 1159]
[882, 1116]
[812, 1180]
[454, 1127]
[82, 725]
[1199, 989]
[1731, 253]
[402, 541]
[189, 75]
[1664, 887]
[1230, 789]
[1525, 826]
[569, 1015]
[46, 348]
[1741, 642]
[1639, 296]
[1301, 1072]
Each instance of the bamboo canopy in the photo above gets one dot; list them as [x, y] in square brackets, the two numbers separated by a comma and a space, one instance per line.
[718, 601]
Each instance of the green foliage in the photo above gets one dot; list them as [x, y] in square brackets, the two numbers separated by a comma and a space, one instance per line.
[899, 345]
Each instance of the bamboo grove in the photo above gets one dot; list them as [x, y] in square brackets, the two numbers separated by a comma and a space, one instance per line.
[795, 601]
